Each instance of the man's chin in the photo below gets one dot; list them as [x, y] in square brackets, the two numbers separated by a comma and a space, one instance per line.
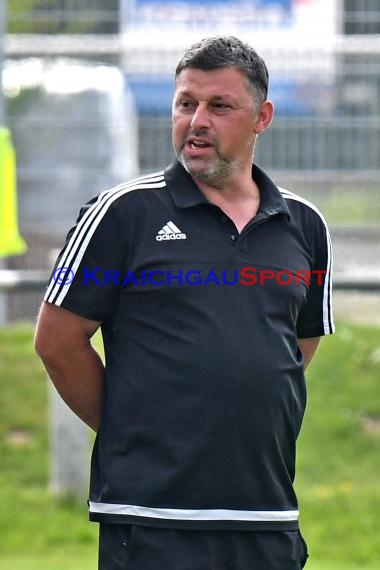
[198, 168]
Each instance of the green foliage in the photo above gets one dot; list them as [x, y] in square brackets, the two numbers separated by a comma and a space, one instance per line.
[338, 461]
[20, 15]
[57, 17]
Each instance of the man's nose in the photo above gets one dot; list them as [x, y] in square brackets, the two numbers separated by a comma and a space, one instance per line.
[201, 117]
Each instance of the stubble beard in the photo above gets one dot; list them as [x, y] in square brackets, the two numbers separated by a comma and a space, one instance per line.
[215, 171]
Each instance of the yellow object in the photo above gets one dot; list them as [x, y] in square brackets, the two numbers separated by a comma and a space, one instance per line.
[11, 243]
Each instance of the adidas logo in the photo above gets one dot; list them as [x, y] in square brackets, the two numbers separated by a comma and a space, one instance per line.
[170, 231]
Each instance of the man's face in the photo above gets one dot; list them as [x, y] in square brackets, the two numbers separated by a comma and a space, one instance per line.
[214, 122]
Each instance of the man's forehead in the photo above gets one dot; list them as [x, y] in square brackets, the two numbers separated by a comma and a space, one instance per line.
[222, 73]
[218, 82]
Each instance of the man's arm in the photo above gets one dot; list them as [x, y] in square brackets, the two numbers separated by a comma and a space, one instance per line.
[308, 347]
[63, 343]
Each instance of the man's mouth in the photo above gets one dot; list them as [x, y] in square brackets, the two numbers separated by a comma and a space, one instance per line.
[198, 144]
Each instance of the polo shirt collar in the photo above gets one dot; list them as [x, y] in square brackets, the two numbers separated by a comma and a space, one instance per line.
[186, 193]
[182, 187]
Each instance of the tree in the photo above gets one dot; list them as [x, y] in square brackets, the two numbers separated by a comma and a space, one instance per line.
[62, 16]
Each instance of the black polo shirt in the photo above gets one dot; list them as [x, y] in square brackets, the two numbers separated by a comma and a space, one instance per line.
[205, 391]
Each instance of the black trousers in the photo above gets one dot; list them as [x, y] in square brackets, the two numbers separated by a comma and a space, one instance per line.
[132, 547]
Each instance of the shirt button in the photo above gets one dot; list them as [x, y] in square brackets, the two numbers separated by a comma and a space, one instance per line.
[233, 237]
[224, 219]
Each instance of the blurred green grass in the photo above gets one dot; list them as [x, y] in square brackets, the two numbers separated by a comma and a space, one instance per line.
[350, 205]
[338, 461]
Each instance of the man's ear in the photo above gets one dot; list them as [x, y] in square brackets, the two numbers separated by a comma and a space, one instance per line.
[264, 116]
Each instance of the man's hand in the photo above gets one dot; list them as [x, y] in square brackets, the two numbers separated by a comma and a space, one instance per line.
[308, 347]
[63, 343]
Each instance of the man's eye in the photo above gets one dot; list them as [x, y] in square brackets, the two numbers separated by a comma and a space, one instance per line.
[186, 104]
[221, 106]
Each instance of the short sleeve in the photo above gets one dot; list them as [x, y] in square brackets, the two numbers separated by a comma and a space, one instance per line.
[86, 276]
[316, 316]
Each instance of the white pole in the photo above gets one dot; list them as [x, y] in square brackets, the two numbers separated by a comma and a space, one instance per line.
[69, 443]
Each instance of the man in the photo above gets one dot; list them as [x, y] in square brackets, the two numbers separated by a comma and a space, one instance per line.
[212, 288]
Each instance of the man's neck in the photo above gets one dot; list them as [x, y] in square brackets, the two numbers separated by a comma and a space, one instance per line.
[239, 202]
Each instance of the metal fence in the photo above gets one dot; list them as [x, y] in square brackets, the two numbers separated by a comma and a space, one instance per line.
[87, 110]
[328, 148]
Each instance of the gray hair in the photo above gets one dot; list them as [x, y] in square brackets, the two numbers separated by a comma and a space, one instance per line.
[227, 51]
